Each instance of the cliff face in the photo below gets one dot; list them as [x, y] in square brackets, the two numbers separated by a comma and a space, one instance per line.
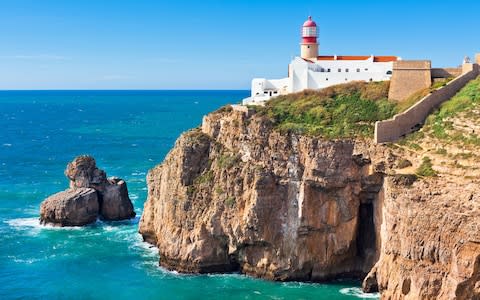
[430, 241]
[238, 195]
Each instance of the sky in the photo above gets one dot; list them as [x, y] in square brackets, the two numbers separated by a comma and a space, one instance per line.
[140, 44]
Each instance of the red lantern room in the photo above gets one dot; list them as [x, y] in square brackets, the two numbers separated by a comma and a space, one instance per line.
[309, 31]
[309, 45]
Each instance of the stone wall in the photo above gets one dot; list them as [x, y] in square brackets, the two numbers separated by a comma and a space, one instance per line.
[409, 76]
[446, 72]
[413, 118]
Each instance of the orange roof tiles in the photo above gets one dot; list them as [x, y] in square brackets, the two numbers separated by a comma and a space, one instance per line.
[384, 58]
[358, 57]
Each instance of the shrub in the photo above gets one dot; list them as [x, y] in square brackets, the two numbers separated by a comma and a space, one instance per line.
[426, 168]
[206, 177]
[226, 161]
[230, 202]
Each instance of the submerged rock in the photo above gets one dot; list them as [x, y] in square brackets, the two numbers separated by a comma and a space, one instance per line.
[90, 196]
[72, 207]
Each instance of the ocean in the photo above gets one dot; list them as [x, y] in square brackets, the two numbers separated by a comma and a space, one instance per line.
[128, 132]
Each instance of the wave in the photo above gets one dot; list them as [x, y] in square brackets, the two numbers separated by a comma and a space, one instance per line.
[139, 173]
[357, 292]
[34, 223]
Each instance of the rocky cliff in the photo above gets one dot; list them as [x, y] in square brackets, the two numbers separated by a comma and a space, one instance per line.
[238, 195]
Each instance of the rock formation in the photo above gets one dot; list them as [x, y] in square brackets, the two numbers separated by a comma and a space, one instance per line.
[72, 207]
[237, 195]
[430, 241]
[91, 195]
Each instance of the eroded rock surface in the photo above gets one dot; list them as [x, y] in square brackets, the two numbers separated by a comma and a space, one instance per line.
[238, 195]
[72, 207]
[115, 203]
[91, 195]
[430, 241]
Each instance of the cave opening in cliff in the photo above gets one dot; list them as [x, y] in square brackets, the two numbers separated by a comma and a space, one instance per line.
[366, 239]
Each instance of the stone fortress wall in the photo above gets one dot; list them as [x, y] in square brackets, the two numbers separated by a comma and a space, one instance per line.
[409, 76]
[416, 74]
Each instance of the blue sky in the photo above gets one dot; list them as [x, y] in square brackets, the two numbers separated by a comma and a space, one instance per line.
[213, 44]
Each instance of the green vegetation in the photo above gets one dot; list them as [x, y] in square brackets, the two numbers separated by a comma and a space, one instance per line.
[410, 139]
[415, 146]
[465, 101]
[426, 168]
[441, 151]
[191, 190]
[230, 202]
[206, 177]
[195, 136]
[441, 83]
[341, 111]
[227, 161]
[410, 101]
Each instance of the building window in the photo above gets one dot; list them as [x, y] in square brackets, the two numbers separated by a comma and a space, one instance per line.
[346, 79]
[322, 70]
[326, 79]
[389, 72]
[328, 70]
[358, 70]
[371, 79]
[346, 70]
[366, 69]
[339, 70]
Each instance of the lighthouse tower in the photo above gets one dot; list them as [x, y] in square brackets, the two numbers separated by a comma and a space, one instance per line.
[309, 45]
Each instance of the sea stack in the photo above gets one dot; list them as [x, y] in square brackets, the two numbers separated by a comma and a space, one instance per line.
[91, 195]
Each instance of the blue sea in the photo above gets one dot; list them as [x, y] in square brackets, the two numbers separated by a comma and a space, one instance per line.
[128, 132]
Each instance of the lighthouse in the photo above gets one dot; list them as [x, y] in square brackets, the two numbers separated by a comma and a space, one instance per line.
[312, 71]
[309, 45]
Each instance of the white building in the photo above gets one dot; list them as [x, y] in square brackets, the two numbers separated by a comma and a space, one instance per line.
[311, 71]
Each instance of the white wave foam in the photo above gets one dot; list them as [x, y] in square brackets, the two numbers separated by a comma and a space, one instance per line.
[357, 292]
[7, 145]
[138, 173]
[29, 223]
[23, 222]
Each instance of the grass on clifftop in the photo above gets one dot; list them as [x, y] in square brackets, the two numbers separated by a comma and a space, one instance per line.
[467, 103]
[340, 111]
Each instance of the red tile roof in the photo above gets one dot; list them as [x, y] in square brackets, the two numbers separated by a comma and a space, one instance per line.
[384, 58]
[358, 57]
